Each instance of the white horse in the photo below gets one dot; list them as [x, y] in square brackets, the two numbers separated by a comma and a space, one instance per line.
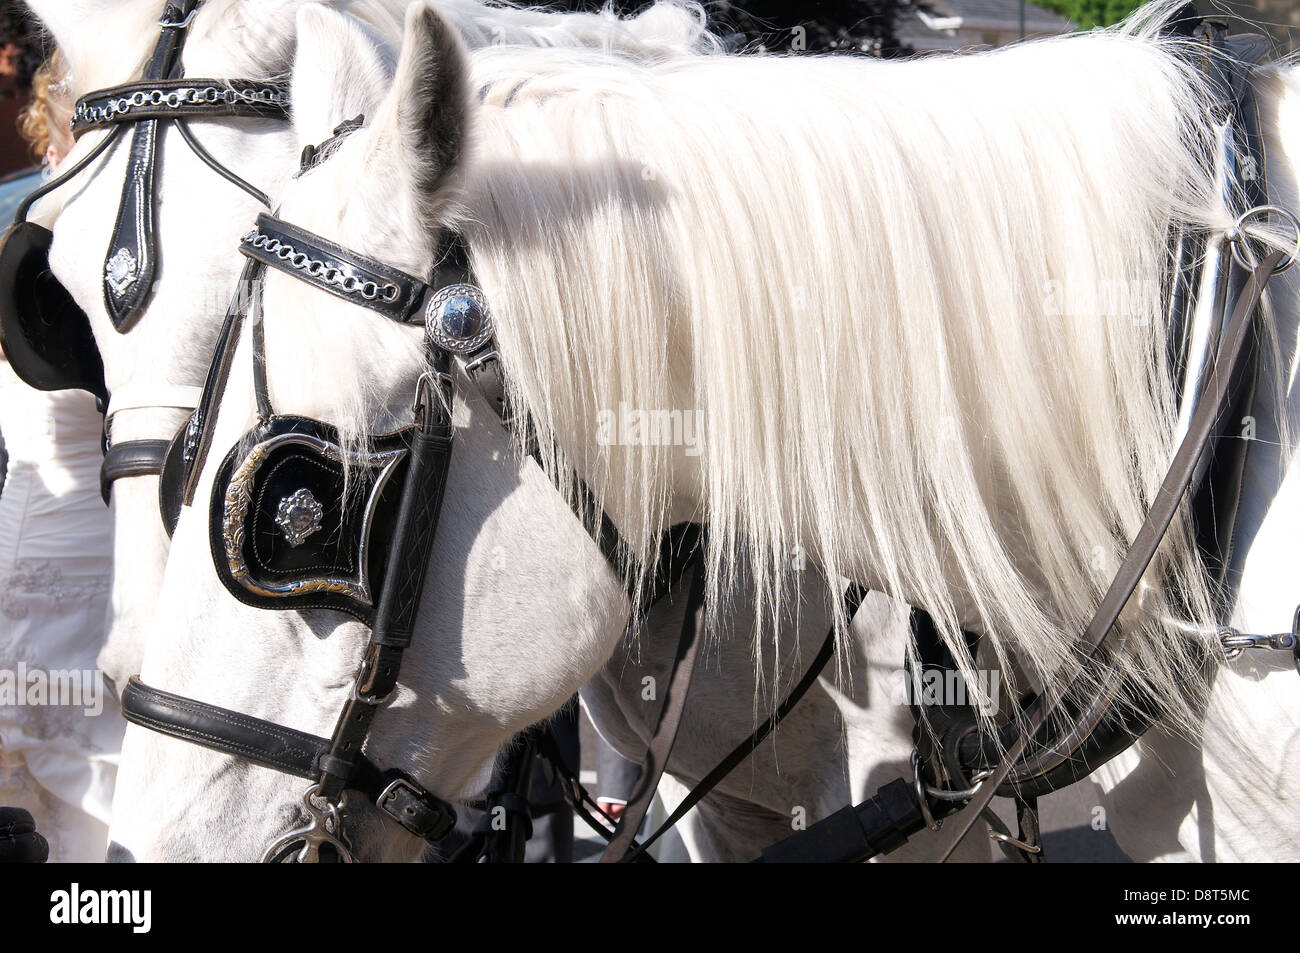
[876, 393]
[155, 371]
[180, 320]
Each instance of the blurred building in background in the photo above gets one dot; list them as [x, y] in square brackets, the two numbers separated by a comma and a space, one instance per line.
[977, 24]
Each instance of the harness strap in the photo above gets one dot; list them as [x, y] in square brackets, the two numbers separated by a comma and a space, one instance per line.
[132, 251]
[167, 99]
[408, 560]
[668, 722]
[1145, 544]
[283, 749]
[131, 458]
[330, 267]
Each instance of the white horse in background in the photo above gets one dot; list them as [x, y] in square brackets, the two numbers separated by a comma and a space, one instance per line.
[868, 335]
[163, 358]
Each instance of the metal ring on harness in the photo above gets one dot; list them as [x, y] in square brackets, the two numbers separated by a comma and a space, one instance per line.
[1236, 235]
[921, 799]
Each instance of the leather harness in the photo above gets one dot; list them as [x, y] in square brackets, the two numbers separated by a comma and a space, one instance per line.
[46, 336]
[375, 569]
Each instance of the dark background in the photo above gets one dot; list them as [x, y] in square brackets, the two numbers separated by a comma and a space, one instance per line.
[868, 27]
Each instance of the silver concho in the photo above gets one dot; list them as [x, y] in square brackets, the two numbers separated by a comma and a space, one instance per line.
[121, 271]
[458, 319]
[299, 516]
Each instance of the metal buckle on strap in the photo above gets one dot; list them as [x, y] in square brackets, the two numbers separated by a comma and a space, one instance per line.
[409, 817]
[162, 21]
[393, 787]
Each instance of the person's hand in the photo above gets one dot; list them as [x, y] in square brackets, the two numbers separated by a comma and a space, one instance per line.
[613, 808]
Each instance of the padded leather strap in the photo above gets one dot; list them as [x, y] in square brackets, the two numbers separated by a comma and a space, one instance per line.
[330, 267]
[131, 458]
[179, 98]
[283, 749]
[131, 260]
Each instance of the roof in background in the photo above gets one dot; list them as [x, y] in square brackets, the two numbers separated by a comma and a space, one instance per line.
[922, 31]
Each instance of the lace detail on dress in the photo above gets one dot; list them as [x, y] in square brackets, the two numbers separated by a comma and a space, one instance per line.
[44, 578]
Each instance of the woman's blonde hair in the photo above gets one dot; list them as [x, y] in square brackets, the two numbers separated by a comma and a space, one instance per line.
[46, 116]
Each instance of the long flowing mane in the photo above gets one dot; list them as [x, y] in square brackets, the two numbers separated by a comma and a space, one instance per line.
[917, 306]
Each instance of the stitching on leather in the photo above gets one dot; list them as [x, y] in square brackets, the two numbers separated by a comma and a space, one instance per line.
[288, 737]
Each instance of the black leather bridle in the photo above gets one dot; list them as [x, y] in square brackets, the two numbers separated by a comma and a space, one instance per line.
[336, 764]
[881, 824]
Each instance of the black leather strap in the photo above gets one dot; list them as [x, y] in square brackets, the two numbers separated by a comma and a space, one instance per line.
[330, 267]
[313, 155]
[283, 749]
[1144, 546]
[408, 562]
[179, 98]
[878, 825]
[131, 458]
[131, 260]
[666, 725]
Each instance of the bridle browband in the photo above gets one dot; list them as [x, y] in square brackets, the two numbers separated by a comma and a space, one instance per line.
[47, 336]
[161, 95]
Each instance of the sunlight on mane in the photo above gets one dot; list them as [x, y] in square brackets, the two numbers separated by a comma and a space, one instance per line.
[918, 306]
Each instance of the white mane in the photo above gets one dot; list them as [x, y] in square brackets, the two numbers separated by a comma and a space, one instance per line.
[918, 306]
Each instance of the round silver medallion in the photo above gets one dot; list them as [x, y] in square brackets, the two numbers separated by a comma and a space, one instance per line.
[457, 319]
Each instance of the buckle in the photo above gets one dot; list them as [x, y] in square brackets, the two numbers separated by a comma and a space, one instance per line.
[399, 784]
[424, 814]
[163, 22]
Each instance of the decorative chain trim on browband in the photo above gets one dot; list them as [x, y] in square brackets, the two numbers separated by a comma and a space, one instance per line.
[203, 95]
[334, 269]
[322, 271]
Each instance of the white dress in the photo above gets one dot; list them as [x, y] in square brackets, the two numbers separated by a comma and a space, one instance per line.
[58, 754]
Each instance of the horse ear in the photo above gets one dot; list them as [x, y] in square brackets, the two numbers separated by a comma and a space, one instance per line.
[65, 20]
[342, 69]
[420, 131]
